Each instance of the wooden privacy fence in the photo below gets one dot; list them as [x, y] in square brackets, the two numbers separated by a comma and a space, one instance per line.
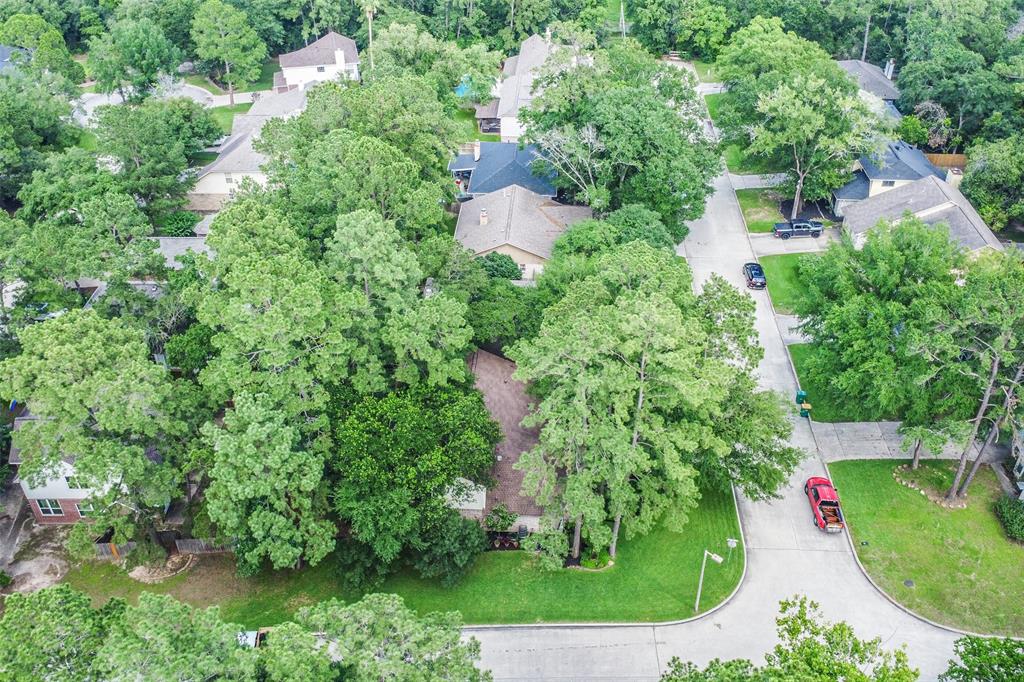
[201, 546]
[947, 160]
[112, 550]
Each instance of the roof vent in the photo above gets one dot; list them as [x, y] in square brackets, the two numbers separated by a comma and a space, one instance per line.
[483, 216]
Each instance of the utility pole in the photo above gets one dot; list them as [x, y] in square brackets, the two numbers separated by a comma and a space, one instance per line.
[864, 51]
[622, 17]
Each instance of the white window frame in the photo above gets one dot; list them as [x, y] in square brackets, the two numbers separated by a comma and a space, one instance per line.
[228, 179]
[73, 483]
[321, 69]
[888, 183]
[48, 510]
[84, 510]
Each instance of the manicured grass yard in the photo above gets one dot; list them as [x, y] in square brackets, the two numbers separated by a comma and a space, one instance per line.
[226, 114]
[705, 71]
[714, 102]
[265, 81]
[468, 130]
[88, 141]
[655, 578]
[760, 208]
[783, 281]
[966, 572]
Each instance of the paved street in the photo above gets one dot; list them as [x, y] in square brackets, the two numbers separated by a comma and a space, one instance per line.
[786, 554]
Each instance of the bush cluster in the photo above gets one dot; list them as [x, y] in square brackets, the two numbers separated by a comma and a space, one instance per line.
[1011, 514]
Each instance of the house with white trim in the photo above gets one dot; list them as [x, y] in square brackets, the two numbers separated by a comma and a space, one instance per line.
[331, 57]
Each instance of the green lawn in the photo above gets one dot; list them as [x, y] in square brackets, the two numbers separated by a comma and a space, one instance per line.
[265, 81]
[226, 114]
[783, 283]
[468, 131]
[200, 159]
[965, 572]
[654, 579]
[824, 410]
[705, 71]
[760, 208]
[714, 102]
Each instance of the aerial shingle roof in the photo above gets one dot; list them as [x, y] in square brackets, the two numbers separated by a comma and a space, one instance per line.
[516, 90]
[870, 78]
[501, 165]
[933, 201]
[516, 217]
[899, 161]
[321, 52]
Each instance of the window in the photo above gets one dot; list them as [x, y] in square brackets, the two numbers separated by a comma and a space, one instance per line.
[74, 482]
[84, 510]
[888, 183]
[321, 69]
[50, 508]
[228, 179]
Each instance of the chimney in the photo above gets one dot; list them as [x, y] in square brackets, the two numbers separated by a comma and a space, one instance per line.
[339, 57]
[547, 34]
[954, 176]
[483, 216]
[476, 150]
[890, 66]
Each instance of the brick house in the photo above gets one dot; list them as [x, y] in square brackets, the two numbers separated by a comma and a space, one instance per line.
[58, 499]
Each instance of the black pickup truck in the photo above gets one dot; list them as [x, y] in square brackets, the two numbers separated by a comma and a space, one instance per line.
[797, 228]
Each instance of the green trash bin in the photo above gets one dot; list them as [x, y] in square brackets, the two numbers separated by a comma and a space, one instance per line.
[801, 397]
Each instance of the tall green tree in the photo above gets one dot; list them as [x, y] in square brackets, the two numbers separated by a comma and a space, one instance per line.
[994, 181]
[37, 120]
[101, 402]
[398, 460]
[637, 376]
[621, 128]
[166, 640]
[294, 654]
[985, 658]
[379, 637]
[131, 57]
[224, 38]
[46, 48]
[695, 26]
[265, 490]
[53, 633]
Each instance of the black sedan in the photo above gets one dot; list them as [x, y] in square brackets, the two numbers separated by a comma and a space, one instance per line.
[754, 275]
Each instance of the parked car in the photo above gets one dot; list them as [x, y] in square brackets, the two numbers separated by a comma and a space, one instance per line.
[825, 504]
[798, 228]
[754, 274]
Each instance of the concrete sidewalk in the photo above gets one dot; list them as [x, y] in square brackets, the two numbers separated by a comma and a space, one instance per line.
[874, 440]
[764, 244]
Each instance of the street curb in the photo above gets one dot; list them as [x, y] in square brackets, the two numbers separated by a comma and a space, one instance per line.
[901, 607]
[596, 626]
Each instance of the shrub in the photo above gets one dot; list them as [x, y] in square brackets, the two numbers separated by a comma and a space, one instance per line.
[5, 579]
[179, 224]
[500, 266]
[1011, 514]
[500, 518]
[450, 549]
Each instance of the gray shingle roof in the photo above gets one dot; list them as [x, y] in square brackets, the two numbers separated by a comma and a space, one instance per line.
[172, 247]
[870, 78]
[8, 55]
[237, 154]
[321, 52]
[501, 165]
[899, 161]
[932, 200]
[855, 189]
[516, 90]
[516, 217]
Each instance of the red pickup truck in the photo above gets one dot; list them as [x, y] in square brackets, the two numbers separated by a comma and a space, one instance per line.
[824, 503]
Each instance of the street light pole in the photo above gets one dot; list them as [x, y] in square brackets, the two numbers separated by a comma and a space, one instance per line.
[700, 585]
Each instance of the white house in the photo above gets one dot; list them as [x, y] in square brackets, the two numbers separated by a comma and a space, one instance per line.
[58, 499]
[238, 160]
[515, 90]
[329, 58]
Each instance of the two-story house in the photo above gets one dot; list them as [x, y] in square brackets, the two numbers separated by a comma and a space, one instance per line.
[515, 91]
[899, 163]
[329, 58]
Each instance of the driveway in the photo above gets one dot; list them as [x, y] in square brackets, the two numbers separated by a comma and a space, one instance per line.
[87, 104]
[764, 244]
[786, 555]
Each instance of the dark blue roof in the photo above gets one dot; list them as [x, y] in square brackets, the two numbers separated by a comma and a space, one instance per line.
[855, 189]
[5, 56]
[501, 165]
[899, 161]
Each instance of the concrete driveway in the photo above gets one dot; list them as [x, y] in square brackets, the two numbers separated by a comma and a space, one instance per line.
[786, 554]
[87, 104]
[764, 244]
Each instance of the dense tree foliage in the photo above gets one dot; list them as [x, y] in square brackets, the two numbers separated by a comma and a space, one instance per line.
[61, 637]
[985, 658]
[621, 128]
[631, 367]
[994, 181]
[45, 50]
[131, 57]
[226, 41]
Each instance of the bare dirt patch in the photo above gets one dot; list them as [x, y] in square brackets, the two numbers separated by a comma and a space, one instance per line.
[151, 575]
[40, 560]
